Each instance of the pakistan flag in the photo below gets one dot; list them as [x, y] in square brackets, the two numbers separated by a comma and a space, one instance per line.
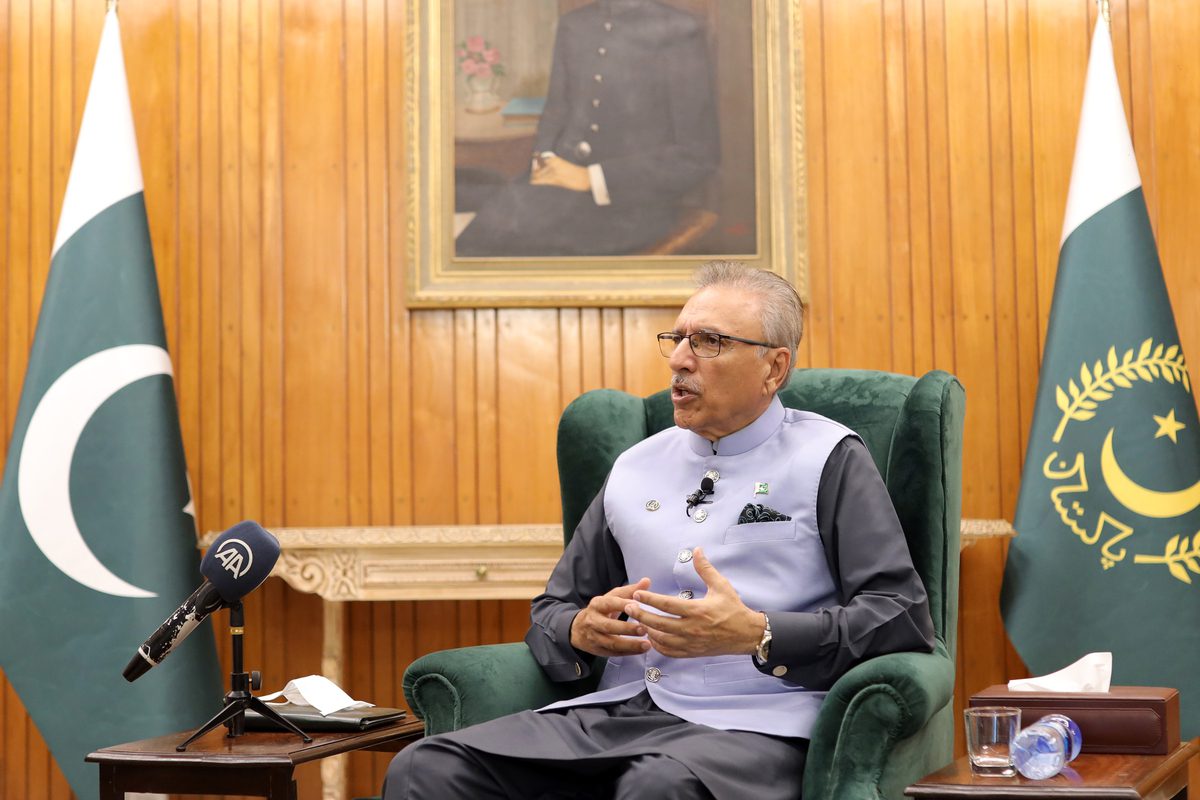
[97, 535]
[1107, 553]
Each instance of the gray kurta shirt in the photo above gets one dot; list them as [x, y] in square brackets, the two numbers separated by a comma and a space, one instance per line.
[882, 606]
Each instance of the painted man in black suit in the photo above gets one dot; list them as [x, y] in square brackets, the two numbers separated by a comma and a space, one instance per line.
[629, 127]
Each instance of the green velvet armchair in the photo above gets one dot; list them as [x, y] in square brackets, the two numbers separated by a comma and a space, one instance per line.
[887, 721]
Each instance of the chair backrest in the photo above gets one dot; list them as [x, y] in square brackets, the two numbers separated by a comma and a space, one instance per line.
[911, 426]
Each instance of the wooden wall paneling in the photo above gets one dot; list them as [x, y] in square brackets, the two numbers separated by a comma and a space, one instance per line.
[64, 113]
[20, 316]
[972, 240]
[398, 319]
[155, 122]
[435, 440]
[570, 355]
[814, 345]
[186, 254]
[938, 150]
[1058, 62]
[209, 232]
[435, 482]
[1008, 445]
[529, 408]
[41, 217]
[465, 488]
[917, 182]
[358, 287]
[855, 135]
[646, 371]
[269, 199]
[231, 321]
[315, 313]
[315, 297]
[249, 355]
[18, 729]
[1025, 255]
[1139, 96]
[612, 347]
[897, 194]
[972, 245]
[7, 378]
[378, 220]
[358, 681]
[487, 417]
[7, 764]
[1018, 400]
[1175, 145]
[488, 432]
[591, 349]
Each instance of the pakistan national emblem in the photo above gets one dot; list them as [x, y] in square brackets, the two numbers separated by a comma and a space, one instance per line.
[1107, 552]
[1133, 408]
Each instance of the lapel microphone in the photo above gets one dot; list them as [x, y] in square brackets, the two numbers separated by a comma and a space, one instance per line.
[696, 498]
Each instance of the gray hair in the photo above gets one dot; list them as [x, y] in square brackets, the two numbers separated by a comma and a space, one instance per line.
[782, 310]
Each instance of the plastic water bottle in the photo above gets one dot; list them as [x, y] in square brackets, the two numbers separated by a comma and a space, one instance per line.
[1041, 750]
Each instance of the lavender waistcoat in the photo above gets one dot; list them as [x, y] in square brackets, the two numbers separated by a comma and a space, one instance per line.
[775, 566]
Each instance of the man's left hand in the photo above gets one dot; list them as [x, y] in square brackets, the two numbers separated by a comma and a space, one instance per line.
[556, 171]
[718, 624]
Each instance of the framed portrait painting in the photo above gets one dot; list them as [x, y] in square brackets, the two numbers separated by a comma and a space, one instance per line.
[594, 152]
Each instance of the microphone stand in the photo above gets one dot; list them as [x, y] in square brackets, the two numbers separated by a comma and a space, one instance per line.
[233, 715]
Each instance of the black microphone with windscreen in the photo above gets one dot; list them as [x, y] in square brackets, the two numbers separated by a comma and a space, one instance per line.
[236, 564]
[697, 497]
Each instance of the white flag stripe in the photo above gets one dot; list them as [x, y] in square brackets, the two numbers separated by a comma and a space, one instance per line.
[105, 168]
[1105, 168]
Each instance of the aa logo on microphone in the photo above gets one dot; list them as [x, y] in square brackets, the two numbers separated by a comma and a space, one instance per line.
[235, 557]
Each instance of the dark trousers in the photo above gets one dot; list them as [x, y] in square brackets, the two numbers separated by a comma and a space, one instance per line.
[443, 768]
[626, 750]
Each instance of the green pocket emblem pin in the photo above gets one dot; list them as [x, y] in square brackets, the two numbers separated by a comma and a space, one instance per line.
[761, 488]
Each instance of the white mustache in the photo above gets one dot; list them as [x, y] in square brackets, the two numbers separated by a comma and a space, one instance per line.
[688, 385]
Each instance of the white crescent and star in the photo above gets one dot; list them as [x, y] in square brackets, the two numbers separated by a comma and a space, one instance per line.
[44, 467]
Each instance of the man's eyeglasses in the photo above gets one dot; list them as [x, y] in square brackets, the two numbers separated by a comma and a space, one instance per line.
[704, 344]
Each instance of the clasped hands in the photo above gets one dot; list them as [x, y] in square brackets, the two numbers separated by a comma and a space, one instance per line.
[554, 171]
[717, 624]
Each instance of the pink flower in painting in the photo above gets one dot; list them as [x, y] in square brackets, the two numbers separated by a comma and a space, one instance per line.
[476, 56]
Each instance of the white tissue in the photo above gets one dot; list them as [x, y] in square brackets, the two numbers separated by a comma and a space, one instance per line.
[319, 692]
[1092, 673]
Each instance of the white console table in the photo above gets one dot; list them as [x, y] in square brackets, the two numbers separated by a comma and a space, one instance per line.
[432, 562]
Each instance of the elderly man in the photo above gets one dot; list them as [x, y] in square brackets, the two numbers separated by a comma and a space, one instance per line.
[724, 611]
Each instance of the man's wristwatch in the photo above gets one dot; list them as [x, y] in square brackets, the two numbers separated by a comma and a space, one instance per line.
[763, 653]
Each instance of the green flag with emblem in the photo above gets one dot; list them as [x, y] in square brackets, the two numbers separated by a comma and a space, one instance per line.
[97, 530]
[1107, 553]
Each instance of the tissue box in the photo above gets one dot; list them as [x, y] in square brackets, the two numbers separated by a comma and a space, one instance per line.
[1142, 720]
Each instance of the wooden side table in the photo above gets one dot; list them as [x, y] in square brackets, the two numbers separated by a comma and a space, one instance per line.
[1099, 777]
[257, 764]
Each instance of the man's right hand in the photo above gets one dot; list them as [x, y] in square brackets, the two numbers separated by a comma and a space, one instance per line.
[598, 630]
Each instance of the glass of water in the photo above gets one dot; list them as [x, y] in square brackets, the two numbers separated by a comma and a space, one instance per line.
[990, 733]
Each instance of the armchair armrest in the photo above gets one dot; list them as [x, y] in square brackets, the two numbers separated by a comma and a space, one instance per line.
[868, 712]
[452, 689]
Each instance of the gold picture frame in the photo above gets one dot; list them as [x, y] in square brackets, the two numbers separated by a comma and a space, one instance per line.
[441, 149]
